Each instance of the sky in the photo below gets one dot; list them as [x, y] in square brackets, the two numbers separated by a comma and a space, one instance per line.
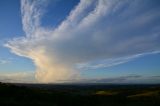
[80, 41]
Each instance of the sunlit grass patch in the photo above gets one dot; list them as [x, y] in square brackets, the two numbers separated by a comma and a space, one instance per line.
[105, 93]
[146, 94]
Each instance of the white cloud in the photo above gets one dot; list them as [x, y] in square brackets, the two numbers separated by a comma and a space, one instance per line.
[111, 62]
[31, 13]
[98, 30]
[19, 77]
[127, 79]
[5, 61]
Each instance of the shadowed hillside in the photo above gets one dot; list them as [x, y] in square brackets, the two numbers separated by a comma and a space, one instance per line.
[79, 95]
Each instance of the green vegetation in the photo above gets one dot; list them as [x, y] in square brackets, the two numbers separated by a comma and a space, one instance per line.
[70, 95]
[106, 93]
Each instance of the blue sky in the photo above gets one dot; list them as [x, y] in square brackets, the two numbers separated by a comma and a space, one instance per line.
[11, 27]
[86, 41]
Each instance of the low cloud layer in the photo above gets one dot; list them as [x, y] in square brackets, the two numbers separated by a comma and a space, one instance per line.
[95, 30]
[128, 79]
[20, 77]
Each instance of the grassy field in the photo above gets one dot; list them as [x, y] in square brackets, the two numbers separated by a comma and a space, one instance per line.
[79, 95]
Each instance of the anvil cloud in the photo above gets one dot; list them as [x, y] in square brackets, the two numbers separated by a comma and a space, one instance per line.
[95, 30]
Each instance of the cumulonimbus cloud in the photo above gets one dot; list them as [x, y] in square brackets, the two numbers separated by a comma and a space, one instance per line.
[94, 30]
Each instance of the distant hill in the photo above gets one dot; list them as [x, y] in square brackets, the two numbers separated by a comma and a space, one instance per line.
[79, 95]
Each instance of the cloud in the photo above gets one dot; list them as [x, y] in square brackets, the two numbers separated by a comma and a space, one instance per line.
[120, 79]
[5, 61]
[95, 31]
[111, 62]
[31, 13]
[20, 77]
[126, 79]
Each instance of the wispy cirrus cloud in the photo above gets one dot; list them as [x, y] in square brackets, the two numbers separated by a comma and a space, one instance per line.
[111, 62]
[101, 33]
[31, 14]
